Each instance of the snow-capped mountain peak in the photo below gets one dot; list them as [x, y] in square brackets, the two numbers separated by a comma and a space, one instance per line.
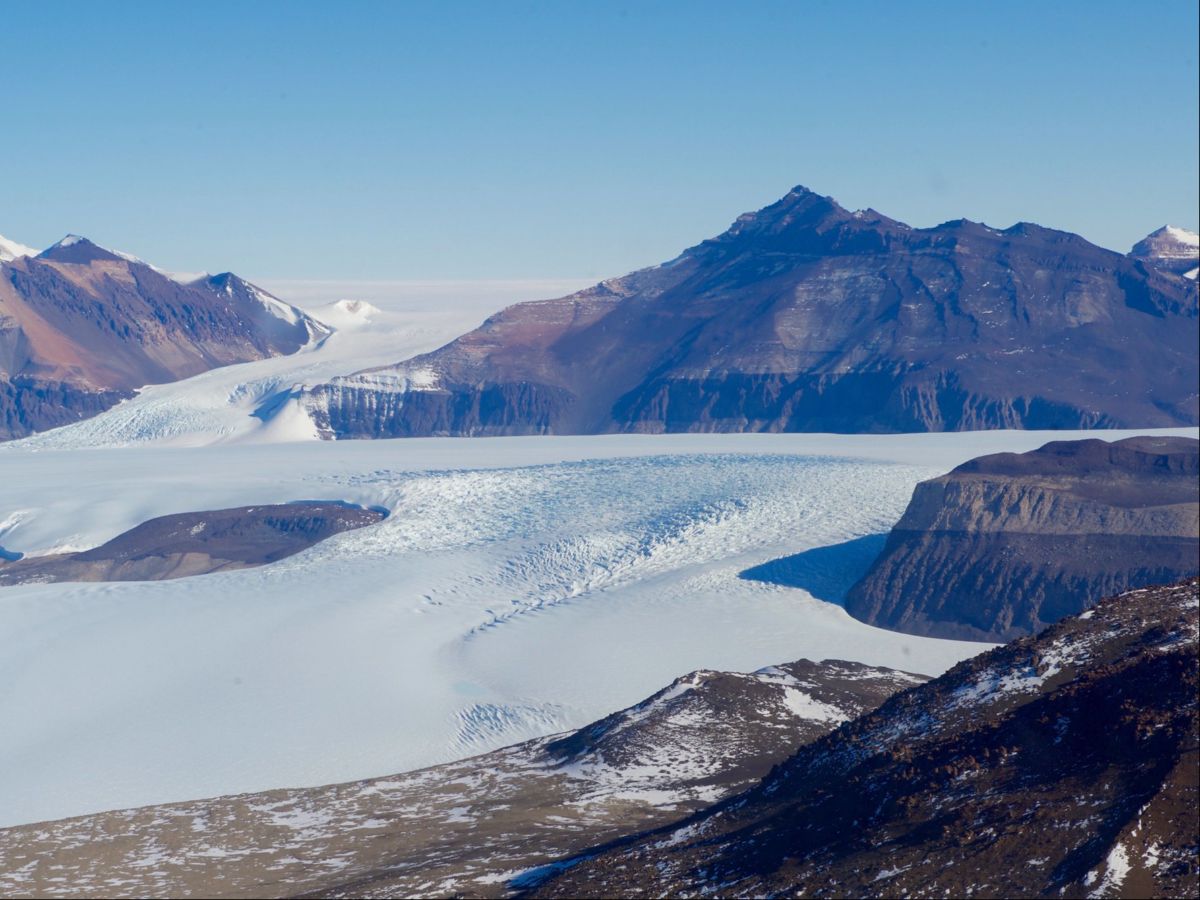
[10, 250]
[1172, 248]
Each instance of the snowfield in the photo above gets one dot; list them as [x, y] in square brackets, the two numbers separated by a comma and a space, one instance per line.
[520, 586]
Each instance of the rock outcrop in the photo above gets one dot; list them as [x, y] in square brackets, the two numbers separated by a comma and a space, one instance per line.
[1006, 544]
[196, 543]
[82, 328]
[807, 317]
[466, 828]
[1058, 766]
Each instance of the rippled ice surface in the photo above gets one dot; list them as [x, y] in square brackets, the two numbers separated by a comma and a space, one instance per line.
[499, 601]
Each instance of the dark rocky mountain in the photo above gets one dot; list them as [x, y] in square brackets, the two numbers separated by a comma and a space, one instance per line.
[1173, 249]
[195, 543]
[807, 317]
[462, 829]
[82, 328]
[1061, 765]
[1007, 544]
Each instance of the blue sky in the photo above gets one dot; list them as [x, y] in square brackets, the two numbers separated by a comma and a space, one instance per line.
[572, 139]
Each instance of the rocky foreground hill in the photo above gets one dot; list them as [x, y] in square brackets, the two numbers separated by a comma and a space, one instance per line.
[805, 316]
[1060, 765]
[1007, 544]
[463, 829]
[82, 328]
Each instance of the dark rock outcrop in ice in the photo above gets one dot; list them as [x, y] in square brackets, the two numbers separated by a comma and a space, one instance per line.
[196, 543]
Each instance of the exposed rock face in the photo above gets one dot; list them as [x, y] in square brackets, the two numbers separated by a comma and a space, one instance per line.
[196, 543]
[463, 829]
[1172, 249]
[1007, 544]
[82, 328]
[1062, 765]
[807, 317]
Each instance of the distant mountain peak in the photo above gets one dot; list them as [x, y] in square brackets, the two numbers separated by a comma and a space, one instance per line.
[1171, 248]
[74, 248]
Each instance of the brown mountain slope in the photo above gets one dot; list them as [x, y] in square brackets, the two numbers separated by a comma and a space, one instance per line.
[807, 317]
[82, 328]
[1007, 544]
[1061, 765]
[465, 828]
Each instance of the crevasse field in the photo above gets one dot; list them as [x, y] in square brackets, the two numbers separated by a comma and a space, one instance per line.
[520, 586]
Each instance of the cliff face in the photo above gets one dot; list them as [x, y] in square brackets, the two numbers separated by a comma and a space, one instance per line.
[807, 317]
[1058, 766]
[82, 328]
[1007, 544]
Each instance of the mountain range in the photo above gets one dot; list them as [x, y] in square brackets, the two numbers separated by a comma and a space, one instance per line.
[805, 316]
[802, 316]
[82, 328]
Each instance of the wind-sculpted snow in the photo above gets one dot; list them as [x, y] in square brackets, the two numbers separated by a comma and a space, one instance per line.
[519, 587]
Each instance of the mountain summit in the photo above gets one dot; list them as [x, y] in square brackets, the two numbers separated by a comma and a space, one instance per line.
[1174, 249]
[83, 327]
[804, 316]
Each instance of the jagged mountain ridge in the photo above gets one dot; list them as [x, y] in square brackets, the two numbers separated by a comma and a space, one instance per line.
[1007, 544]
[464, 828]
[807, 317]
[82, 328]
[1061, 765]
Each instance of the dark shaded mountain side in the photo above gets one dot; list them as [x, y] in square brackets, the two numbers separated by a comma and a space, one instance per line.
[82, 328]
[1007, 544]
[464, 828]
[196, 543]
[1061, 765]
[807, 317]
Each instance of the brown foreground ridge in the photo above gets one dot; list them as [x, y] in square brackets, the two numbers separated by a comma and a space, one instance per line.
[1062, 765]
[196, 543]
[467, 828]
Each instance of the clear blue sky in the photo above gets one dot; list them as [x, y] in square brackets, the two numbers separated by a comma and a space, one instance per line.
[535, 139]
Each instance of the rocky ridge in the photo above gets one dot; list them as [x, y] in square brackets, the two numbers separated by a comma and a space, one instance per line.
[1007, 544]
[195, 543]
[805, 316]
[82, 328]
[1059, 765]
[466, 828]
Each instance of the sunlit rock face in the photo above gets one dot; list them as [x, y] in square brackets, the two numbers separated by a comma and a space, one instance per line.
[804, 316]
[82, 328]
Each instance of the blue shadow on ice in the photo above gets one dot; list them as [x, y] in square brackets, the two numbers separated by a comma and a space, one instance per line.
[9, 555]
[827, 573]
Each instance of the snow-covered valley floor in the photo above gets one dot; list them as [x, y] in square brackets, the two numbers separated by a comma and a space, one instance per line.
[521, 586]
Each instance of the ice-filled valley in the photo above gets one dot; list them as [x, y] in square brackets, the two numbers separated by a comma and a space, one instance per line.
[520, 586]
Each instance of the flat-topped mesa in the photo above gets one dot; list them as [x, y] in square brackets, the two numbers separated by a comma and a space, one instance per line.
[1009, 543]
[197, 543]
[83, 327]
[804, 316]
